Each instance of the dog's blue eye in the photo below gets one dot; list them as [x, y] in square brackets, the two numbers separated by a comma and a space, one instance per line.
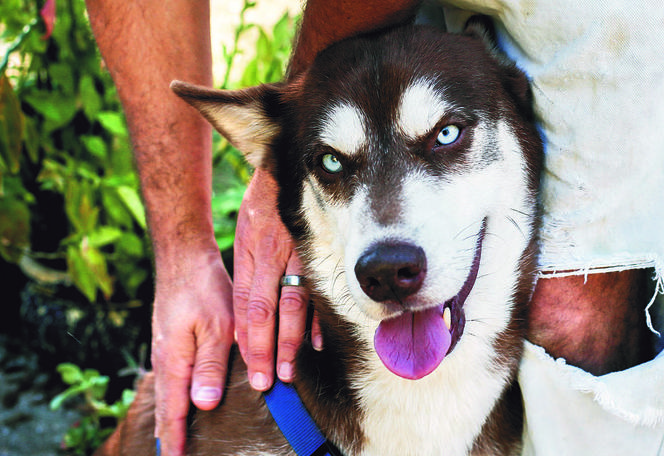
[448, 135]
[331, 163]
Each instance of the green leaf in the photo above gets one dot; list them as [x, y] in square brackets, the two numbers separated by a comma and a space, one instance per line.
[113, 122]
[81, 274]
[104, 236]
[53, 176]
[128, 397]
[31, 139]
[250, 74]
[90, 98]
[70, 373]
[263, 46]
[95, 261]
[56, 108]
[81, 209]
[89, 271]
[62, 77]
[131, 245]
[130, 276]
[229, 201]
[225, 241]
[95, 145]
[70, 392]
[115, 209]
[11, 127]
[132, 201]
[98, 386]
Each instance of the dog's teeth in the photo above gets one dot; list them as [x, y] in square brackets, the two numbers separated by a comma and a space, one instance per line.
[447, 317]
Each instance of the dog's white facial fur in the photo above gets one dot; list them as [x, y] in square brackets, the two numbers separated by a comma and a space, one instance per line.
[344, 129]
[420, 109]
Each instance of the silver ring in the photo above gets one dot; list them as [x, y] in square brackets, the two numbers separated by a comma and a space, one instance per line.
[292, 281]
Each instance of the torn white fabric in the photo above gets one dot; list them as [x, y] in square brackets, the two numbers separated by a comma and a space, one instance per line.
[571, 412]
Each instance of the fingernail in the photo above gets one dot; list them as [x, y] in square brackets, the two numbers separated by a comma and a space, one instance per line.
[207, 394]
[158, 447]
[317, 342]
[286, 372]
[259, 381]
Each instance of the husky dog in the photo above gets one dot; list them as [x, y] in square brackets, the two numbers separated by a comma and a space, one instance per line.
[408, 163]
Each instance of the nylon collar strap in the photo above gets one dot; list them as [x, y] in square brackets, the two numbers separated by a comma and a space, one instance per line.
[295, 423]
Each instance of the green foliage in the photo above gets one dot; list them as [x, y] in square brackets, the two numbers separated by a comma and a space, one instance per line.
[231, 173]
[62, 133]
[91, 386]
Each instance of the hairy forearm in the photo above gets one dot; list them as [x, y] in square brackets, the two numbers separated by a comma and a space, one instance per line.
[326, 22]
[146, 45]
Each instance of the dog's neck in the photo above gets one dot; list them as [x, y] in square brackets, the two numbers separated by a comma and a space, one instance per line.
[323, 381]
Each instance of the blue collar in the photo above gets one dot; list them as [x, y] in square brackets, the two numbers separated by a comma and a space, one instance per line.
[295, 423]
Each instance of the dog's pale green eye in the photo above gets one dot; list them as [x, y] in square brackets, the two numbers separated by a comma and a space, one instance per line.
[331, 164]
[448, 135]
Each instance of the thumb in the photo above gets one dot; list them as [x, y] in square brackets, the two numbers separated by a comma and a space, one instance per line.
[210, 368]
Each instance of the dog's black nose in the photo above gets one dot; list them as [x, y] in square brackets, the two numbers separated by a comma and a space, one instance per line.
[391, 271]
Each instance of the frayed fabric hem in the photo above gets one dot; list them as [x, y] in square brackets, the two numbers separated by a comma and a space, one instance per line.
[618, 264]
[619, 393]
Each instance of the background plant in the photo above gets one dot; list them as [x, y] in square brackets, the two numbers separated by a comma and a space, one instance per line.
[268, 64]
[89, 387]
[70, 212]
[68, 193]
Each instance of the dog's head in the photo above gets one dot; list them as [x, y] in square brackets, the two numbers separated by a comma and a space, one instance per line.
[408, 166]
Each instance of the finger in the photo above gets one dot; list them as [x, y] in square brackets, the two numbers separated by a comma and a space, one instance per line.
[271, 257]
[316, 332]
[243, 267]
[293, 304]
[211, 364]
[172, 398]
[261, 319]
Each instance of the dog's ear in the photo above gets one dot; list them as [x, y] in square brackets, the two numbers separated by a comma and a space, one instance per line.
[244, 117]
[481, 27]
[513, 79]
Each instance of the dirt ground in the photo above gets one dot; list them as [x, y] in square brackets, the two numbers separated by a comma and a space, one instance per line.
[27, 426]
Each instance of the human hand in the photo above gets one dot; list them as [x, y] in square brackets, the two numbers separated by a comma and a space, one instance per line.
[192, 337]
[264, 252]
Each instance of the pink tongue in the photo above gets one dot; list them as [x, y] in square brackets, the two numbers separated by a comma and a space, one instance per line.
[412, 345]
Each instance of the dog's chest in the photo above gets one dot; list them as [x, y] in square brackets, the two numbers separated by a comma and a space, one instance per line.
[439, 415]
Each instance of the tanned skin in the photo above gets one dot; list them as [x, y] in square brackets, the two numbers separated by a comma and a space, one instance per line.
[145, 46]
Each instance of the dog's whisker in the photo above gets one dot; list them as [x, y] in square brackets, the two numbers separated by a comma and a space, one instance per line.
[518, 227]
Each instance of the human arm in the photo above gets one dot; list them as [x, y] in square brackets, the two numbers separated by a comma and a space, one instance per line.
[327, 22]
[145, 45]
